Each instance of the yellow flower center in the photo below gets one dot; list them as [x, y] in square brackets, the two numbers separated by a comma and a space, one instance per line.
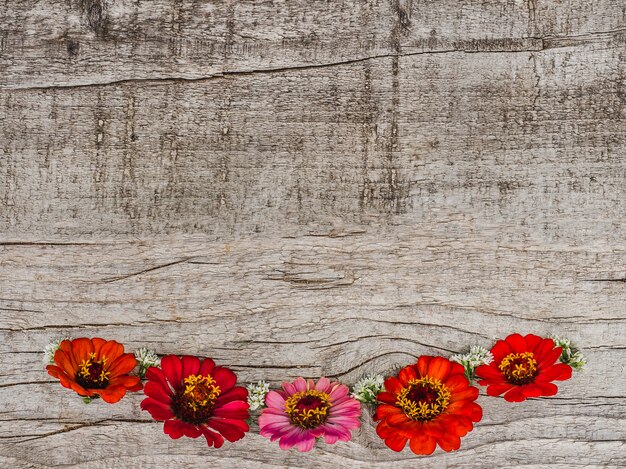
[423, 399]
[91, 373]
[308, 409]
[519, 368]
[194, 402]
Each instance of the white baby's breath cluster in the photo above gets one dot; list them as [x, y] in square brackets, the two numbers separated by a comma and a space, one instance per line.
[256, 394]
[477, 356]
[366, 389]
[570, 355]
[50, 350]
[146, 358]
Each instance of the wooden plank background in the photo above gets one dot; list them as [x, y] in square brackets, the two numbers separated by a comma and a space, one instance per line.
[312, 187]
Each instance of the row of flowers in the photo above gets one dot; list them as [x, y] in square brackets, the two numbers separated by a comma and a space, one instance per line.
[427, 404]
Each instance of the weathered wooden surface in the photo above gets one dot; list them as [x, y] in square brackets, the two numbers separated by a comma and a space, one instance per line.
[312, 187]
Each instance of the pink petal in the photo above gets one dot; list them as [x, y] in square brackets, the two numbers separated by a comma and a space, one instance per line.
[322, 385]
[300, 384]
[275, 400]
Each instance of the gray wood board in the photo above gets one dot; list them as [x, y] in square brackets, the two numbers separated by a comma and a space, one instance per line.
[312, 188]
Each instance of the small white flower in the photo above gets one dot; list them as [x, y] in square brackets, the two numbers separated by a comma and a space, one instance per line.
[50, 350]
[366, 389]
[570, 355]
[256, 394]
[476, 357]
[146, 358]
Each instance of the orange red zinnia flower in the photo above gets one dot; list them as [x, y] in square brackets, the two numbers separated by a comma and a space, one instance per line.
[305, 410]
[429, 403]
[196, 398]
[95, 367]
[523, 367]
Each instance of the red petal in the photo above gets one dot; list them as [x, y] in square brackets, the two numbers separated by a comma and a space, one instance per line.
[230, 429]
[543, 349]
[156, 375]
[515, 395]
[207, 367]
[212, 438]
[174, 428]
[500, 350]
[397, 419]
[393, 385]
[423, 444]
[406, 374]
[62, 359]
[225, 378]
[384, 410]
[386, 397]
[489, 372]
[173, 370]
[396, 442]
[497, 389]
[191, 366]
[111, 394]
[81, 348]
[155, 390]
[548, 389]
[157, 410]
[558, 372]
[422, 364]
[123, 364]
[549, 358]
[471, 393]
[516, 343]
[111, 350]
[127, 381]
[532, 342]
[457, 383]
[449, 442]
[237, 393]
[233, 410]
[439, 368]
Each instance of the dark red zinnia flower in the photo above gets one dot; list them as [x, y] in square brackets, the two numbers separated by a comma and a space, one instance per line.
[95, 368]
[428, 404]
[196, 398]
[523, 367]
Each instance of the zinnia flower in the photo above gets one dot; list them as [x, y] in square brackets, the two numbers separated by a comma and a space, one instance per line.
[196, 398]
[429, 403]
[95, 367]
[304, 410]
[523, 367]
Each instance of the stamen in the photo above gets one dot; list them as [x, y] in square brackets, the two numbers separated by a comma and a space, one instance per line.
[194, 403]
[308, 409]
[424, 398]
[91, 374]
[519, 368]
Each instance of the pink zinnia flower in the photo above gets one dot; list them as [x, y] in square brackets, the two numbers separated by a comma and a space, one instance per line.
[304, 410]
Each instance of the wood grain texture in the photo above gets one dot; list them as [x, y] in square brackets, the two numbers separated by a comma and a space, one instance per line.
[312, 188]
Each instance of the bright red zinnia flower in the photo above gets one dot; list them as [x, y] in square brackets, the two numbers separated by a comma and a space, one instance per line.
[429, 403]
[95, 367]
[523, 367]
[305, 410]
[196, 398]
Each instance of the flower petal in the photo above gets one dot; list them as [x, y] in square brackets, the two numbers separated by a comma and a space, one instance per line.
[81, 348]
[439, 368]
[423, 444]
[225, 378]
[173, 370]
[207, 367]
[156, 374]
[123, 364]
[212, 438]
[191, 366]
